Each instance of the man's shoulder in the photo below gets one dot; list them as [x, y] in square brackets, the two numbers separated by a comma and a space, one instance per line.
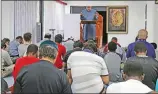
[114, 87]
[132, 44]
[4, 53]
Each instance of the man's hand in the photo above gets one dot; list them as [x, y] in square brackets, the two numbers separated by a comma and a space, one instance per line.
[81, 14]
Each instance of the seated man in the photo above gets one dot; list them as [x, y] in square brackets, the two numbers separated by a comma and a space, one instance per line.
[119, 50]
[61, 52]
[133, 75]
[150, 65]
[47, 36]
[142, 36]
[22, 48]
[87, 71]
[6, 41]
[113, 62]
[7, 64]
[13, 48]
[77, 46]
[42, 77]
[30, 58]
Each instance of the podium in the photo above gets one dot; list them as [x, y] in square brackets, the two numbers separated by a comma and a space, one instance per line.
[88, 22]
[99, 29]
[85, 22]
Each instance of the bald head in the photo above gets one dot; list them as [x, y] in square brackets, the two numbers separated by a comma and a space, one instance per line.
[142, 34]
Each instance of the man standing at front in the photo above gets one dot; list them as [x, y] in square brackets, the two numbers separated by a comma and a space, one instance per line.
[89, 30]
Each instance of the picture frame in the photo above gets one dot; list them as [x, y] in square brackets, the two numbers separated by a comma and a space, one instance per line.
[117, 19]
[156, 1]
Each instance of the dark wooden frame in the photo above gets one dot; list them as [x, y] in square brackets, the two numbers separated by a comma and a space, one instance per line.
[126, 20]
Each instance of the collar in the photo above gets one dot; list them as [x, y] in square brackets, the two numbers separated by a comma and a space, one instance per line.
[142, 56]
[87, 50]
[27, 43]
[141, 40]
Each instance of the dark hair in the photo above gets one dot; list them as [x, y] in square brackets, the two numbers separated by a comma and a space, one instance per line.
[47, 51]
[154, 45]
[27, 36]
[112, 46]
[19, 37]
[78, 44]
[32, 48]
[3, 45]
[91, 45]
[6, 40]
[114, 38]
[136, 38]
[132, 68]
[47, 35]
[58, 38]
[140, 47]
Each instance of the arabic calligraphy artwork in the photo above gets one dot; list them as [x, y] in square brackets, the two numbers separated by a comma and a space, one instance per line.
[117, 19]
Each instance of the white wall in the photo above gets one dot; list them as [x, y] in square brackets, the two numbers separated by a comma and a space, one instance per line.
[7, 19]
[136, 18]
[156, 25]
[53, 16]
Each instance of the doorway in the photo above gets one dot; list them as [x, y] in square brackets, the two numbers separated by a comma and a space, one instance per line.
[105, 35]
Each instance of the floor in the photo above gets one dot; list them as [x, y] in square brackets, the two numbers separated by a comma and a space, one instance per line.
[9, 80]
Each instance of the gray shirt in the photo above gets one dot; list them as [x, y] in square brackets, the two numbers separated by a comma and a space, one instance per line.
[113, 62]
[6, 60]
[41, 77]
[22, 48]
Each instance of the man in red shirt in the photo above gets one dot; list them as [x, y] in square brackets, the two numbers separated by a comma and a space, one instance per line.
[32, 54]
[61, 52]
[114, 39]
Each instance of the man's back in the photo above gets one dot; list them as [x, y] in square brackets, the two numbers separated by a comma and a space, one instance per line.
[86, 69]
[129, 86]
[150, 49]
[150, 67]
[41, 77]
[13, 48]
[113, 62]
[21, 62]
[22, 49]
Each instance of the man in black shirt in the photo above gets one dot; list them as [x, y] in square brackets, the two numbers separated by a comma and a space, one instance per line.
[43, 76]
[150, 65]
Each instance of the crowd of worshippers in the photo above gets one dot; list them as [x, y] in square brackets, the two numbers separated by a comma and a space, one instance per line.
[80, 67]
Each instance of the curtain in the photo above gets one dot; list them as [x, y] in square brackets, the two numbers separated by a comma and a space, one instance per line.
[25, 15]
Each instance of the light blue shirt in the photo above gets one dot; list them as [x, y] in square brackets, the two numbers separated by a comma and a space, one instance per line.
[13, 48]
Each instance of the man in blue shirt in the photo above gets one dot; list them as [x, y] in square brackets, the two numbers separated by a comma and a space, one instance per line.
[89, 30]
[142, 36]
[13, 47]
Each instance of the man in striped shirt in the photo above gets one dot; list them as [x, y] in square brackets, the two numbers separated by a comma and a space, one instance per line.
[87, 72]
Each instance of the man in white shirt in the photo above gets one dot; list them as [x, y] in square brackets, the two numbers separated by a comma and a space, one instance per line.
[133, 75]
[87, 72]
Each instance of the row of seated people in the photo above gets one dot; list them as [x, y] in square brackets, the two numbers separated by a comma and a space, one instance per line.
[88, 71]
[15, 49]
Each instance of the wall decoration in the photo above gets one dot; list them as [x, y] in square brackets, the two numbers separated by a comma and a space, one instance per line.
[117, 19]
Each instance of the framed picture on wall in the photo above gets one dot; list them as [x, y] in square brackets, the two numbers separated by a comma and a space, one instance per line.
[156, 1]
[117, 19]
